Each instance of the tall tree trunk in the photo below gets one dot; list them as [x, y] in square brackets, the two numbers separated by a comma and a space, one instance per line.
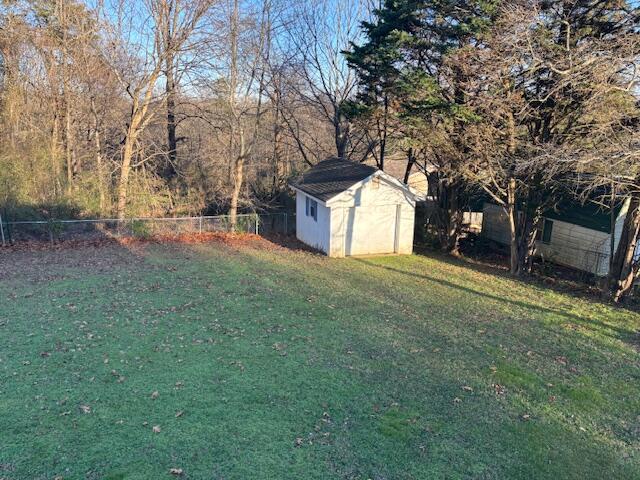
[244, 147]
[100, 168]
[68, 147]
[517, 254]
[98, 153]
[55, 160]
[238, 177]
[236, 121]
[447, 212]
[66, 100]
[512, 215]
[279, 161]
[341, 128]
[523, 227]
[451, 241]
[172, 142]
[382, 132]
[170, 89]
[411, 160]
[624, 270]
[125, 169]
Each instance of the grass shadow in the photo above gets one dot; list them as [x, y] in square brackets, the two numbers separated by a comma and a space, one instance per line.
[622, 334]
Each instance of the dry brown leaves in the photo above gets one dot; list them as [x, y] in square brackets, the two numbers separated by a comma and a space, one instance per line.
[231, 239]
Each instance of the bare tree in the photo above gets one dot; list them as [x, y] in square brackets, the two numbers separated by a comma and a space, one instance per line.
[139, 75]
[543, 86]
[179, 44]
[316, 35]
[613, 180]
[237, 43]
[126, 107]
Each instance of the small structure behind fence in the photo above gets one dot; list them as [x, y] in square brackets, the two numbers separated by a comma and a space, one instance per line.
[54, 230]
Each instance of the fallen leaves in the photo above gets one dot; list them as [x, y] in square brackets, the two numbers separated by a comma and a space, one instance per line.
[561, 360]
[120, 378]
[280, 347]
[156, 429]
[85, 409]
[231, 239]
[155, 395]
[176, 471]
[238, 364]
[499, 389]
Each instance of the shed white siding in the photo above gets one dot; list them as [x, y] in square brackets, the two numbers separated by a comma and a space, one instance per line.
[406, 229]
[375, 216]
[570, 245]
[577, 247]
[495, 224]
[314, 233]
[368, 229]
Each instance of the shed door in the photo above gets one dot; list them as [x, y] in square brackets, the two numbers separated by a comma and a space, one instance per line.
[371, 230]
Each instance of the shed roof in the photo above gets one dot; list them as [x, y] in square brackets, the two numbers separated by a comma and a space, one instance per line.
[331, 177]
[587, 215]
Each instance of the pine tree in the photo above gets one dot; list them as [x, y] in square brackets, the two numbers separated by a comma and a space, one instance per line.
[404, 77]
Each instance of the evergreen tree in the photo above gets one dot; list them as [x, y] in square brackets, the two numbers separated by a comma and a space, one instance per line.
[404, 77]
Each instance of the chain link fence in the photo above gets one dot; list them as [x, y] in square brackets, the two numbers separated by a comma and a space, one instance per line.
[55, 230]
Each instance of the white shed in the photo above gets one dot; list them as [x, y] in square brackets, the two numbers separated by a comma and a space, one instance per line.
[573, 235]
[345, 208]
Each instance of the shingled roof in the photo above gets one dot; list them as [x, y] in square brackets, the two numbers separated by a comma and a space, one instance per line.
[330, 177]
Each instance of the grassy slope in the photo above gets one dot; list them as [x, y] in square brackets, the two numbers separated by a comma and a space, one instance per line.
[289, 365]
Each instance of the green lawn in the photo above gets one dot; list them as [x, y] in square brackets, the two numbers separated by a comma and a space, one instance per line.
[267, 363]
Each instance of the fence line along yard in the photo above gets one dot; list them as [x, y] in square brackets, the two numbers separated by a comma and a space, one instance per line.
[55, 230]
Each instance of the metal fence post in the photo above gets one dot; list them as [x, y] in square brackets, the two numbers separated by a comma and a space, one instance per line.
[257, 222]
[200, 224]
[2, 232]
[50, 230]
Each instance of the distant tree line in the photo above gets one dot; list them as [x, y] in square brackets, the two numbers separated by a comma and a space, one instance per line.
[163, 107]
[168, 107]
